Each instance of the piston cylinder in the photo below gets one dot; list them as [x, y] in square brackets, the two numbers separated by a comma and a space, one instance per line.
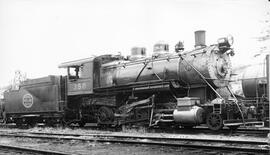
[192, 116]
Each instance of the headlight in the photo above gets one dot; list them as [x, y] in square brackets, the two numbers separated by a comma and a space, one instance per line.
[225, 43]
[222, 41]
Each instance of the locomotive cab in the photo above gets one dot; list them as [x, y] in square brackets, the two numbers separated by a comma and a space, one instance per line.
[79, 75]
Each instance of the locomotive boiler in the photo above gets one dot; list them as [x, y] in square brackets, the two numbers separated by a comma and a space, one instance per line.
[172, 88]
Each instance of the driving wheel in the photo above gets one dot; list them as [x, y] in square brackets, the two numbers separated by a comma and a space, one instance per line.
[105, 114]
[214, 121]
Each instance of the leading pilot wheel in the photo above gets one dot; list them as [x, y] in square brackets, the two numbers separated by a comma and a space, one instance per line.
[214, 121]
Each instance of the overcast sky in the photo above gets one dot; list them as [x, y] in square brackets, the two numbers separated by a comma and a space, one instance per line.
[37, 35]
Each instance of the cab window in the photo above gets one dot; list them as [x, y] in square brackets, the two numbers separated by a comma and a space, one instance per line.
[74, 72]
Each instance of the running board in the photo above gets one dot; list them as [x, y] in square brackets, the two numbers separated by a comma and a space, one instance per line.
[240, 122]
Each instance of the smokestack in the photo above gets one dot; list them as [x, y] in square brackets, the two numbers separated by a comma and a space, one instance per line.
[200, 39]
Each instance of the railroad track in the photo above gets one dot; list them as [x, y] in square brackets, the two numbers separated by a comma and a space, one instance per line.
[199, 129]
[225, 131]
[22, 149]
[218, 143]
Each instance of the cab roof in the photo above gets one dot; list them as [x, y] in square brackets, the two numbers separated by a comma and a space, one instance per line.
[75, 63]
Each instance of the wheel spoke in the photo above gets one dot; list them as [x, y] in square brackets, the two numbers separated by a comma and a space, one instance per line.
[214, 121]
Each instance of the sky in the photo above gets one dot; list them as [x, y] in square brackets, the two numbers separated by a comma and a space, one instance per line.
[37, 35]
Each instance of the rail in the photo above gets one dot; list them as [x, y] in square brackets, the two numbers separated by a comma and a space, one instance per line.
[31, 150]
[236, 144]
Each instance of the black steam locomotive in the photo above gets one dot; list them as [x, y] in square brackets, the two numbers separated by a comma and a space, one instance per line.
[184, 88]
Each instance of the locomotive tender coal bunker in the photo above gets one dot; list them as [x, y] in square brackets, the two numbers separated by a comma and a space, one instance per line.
[183, 88]
[37, 100]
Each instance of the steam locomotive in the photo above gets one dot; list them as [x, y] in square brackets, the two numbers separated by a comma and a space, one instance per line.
[184, 88]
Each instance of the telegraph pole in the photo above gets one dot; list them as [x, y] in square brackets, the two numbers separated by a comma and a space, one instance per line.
[268, 92]
[268, 80]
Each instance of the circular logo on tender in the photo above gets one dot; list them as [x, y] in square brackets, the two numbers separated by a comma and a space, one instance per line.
[27, 100]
